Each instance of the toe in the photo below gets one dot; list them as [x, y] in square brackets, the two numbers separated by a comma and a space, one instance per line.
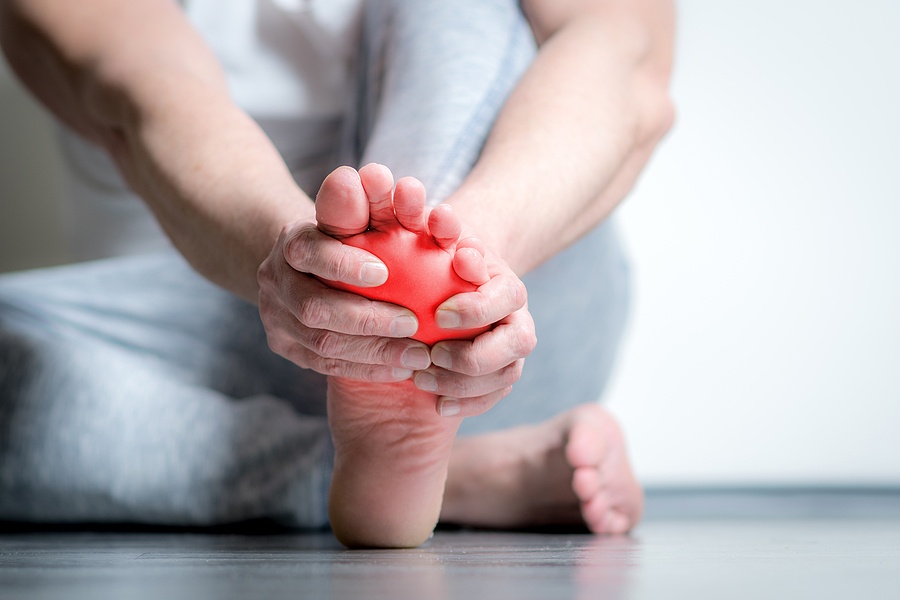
[378, 183]
[409, 204]
[444, 226]
[586, 483]
[470, 265]
[595, 512]
[586, 446]
[617, 523]
[342, 208]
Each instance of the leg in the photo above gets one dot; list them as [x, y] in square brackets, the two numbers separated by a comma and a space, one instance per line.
[429, 92]
[392, 449]
[549, 435]
[431, 77]
[133, 391]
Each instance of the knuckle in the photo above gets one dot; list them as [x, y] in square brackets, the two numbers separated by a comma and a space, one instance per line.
[277, 345]
[327, 366]
[343, 267]
[478, 312]
[298, 247]
[325, 343]
[465, 388]
[517, 292]
[264, 275]
[368, 322]
[524, 343]
[314, 312]
[512, 373]
[471, 364]
[388, 352]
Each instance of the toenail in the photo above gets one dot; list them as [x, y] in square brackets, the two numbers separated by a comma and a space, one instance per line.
[426, 382]
[448, 319]
[404, 326]
[373, 273]
[416, 359]
[449, 408]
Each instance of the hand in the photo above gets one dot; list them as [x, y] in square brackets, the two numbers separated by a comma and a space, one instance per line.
[472, 376]
[330, 331]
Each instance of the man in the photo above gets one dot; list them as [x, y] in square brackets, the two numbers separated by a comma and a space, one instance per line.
[133, 390]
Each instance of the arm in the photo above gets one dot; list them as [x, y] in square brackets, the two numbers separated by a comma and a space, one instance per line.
[578, 128]
[134, 78]
[587, 113]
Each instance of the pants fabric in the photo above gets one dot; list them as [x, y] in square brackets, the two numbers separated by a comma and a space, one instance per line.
[132, 390]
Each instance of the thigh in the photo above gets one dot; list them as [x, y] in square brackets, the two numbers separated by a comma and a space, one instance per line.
[131, 390]
[158, 311]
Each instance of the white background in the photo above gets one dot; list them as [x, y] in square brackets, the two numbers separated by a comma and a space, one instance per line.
[765, 342]
[764, 346]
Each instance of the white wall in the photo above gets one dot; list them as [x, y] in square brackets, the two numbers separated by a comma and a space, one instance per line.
[765, 343]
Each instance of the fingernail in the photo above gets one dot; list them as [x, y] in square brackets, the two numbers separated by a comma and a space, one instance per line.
[426, 382]
[402, 374]
[441, 357]
[416, 358]
[373, 273]
[448, 319]
[404, 326]
[449, 408]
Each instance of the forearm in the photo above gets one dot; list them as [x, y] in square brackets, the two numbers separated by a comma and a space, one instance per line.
[577, 130]
[135, 78]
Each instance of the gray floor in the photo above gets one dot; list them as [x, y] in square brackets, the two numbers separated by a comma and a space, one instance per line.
[759, 553]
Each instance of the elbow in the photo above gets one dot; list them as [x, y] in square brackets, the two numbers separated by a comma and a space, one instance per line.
[657, 115]
[648, 52]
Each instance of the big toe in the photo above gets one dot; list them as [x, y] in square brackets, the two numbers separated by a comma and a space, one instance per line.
[587, 445]
[342, 207]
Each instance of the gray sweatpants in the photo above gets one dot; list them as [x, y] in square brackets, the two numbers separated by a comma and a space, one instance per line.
[132, 390]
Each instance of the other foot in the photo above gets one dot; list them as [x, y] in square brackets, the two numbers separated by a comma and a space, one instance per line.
[570, 470]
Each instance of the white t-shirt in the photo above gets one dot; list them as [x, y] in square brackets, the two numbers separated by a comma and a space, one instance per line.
[288, 65]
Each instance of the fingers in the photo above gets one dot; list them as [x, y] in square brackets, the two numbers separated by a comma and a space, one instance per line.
[494, 300]
[470, 407]
[317, 306]
[469, 377]
[342, 208]
[329, 331]
[367, 359]
[511, 339]
[446, 383]
[309, 250]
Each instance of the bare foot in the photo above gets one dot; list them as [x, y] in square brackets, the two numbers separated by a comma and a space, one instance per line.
[427, 261]
[572, 469]
[392, 448]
